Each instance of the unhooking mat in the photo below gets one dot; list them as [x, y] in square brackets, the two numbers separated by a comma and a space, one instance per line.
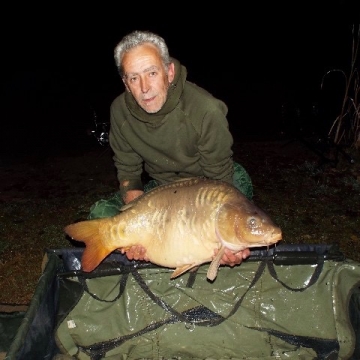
[291, 302]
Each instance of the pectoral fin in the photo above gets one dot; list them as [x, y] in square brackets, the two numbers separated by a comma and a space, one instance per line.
[182, 269]
[214, 265]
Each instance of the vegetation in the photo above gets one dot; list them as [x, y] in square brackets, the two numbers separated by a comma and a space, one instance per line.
[346, 127]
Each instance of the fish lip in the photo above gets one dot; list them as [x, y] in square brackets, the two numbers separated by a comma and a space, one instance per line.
[270, 241]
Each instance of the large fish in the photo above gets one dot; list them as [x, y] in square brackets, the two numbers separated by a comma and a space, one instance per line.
[181, 225]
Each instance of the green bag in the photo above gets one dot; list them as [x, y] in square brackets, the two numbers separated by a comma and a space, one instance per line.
[258, 310]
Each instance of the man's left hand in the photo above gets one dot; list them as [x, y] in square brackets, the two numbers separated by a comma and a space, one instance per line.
[231, 259]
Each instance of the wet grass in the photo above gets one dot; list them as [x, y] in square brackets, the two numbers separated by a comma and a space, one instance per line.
[313, 202]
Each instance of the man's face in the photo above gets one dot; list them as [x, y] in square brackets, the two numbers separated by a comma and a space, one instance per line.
[146, 77]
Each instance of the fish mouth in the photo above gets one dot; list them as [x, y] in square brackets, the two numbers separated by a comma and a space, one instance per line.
[253, 241]
[277, 236]
[272, 240]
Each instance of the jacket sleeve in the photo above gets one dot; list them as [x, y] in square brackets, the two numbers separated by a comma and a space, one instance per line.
[215, 144]
[129, 165]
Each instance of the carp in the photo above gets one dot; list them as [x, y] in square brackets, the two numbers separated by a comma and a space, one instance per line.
[181, 225]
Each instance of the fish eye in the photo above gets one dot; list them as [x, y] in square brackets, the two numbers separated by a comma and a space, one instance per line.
[252, 222]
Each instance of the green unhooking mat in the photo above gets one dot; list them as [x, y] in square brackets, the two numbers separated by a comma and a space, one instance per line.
[10, 321]
[290, 302]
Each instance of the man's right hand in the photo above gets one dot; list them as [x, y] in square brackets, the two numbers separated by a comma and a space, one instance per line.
[136, 252]
[132, 195]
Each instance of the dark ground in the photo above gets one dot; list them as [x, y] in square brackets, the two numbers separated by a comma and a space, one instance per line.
[312, 200]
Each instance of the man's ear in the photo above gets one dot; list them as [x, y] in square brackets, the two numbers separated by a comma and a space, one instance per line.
[171, 72]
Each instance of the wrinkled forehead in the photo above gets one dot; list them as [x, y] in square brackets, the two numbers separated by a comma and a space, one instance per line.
[141, 58]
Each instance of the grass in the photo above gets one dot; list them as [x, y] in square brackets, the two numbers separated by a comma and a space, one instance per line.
[313, 202]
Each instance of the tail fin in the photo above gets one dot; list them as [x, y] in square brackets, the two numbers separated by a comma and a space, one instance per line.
[96, 249]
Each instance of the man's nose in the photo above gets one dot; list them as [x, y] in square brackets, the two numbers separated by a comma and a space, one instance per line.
[144, 85]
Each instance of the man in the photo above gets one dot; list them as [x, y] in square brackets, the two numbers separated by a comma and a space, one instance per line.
[166, 127]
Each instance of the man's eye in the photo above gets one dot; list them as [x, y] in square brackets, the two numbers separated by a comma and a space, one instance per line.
[133, 79]
[153, 73]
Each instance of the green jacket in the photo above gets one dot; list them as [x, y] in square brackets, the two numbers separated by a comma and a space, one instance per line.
[188, 137]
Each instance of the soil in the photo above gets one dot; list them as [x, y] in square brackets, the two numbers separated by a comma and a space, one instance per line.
[310, 189]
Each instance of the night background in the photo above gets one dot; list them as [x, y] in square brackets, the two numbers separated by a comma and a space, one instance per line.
[266, 62]
[58, 68]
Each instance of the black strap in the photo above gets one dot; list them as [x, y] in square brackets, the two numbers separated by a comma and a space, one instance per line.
[122, 284]
[313, 280]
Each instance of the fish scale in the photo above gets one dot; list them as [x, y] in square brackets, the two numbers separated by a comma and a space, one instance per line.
[181, 225]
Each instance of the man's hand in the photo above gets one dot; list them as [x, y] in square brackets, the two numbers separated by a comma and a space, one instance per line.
[132, 195]
[136, 252]
[232, 259]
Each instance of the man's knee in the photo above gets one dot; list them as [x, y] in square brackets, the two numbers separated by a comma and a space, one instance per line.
[242, 181]
[106, 208]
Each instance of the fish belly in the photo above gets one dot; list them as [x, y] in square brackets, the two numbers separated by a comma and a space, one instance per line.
[172, 236]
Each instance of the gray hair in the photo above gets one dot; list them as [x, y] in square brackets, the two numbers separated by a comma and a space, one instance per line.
[137, 38]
